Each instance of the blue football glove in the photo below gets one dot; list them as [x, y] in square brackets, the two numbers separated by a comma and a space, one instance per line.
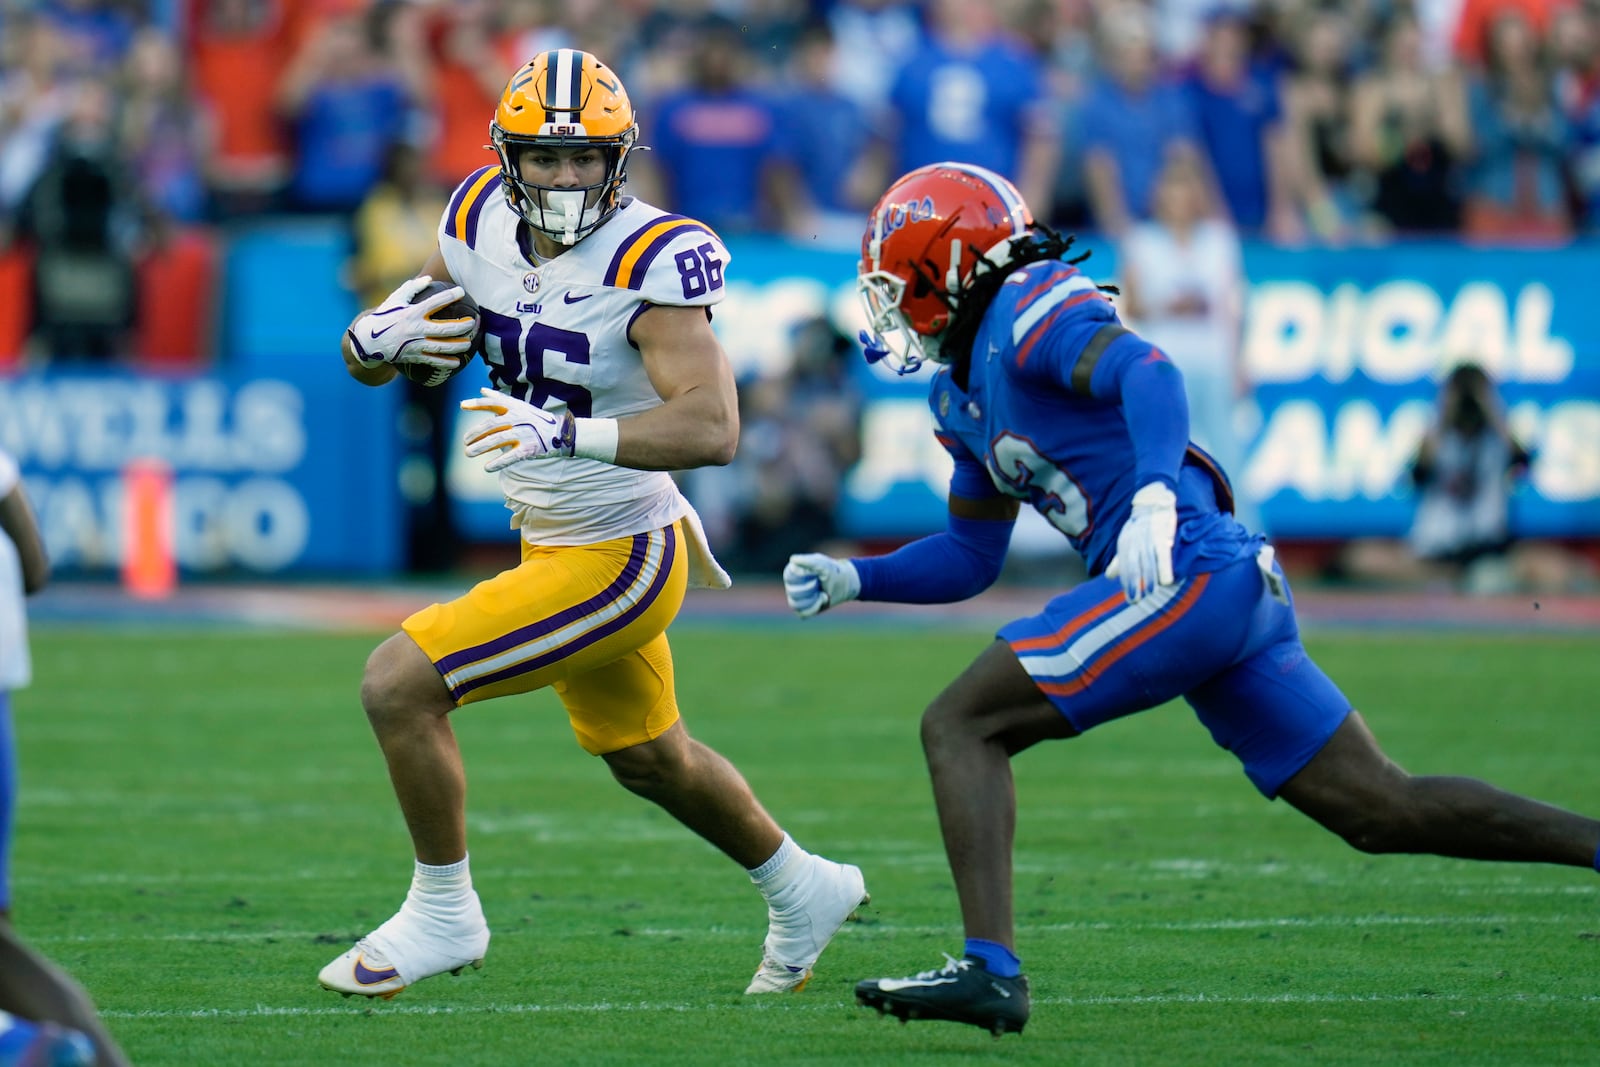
[1144, 544]
[814, 582]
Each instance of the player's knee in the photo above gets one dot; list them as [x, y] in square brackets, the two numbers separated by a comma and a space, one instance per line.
[642, 777]
[946, 729]
[645, 770]
[1377, 825]
[394, 690]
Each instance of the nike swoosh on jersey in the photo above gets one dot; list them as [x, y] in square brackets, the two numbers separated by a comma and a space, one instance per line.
[894, 985]
[367, 976]
[570, 299]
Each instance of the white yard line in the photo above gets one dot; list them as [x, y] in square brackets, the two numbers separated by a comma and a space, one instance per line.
[263, 1011]
[878, 929]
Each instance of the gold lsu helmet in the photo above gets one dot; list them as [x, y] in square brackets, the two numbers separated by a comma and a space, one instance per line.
[564, 98]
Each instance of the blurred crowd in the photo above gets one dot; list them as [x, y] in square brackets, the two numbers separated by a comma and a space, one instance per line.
[1171, 127]
[1310, 120]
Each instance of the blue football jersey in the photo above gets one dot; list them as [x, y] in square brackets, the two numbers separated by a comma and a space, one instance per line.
[1021, 425]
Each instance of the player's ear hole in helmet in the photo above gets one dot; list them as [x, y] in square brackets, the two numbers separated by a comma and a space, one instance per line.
[564, 99]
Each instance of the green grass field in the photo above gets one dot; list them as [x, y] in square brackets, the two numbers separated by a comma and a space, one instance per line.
[205, 821]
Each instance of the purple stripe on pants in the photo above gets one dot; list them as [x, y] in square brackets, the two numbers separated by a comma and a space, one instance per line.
[536, 630]
[668, 554]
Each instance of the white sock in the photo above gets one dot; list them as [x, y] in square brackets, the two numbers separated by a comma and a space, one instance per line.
[444, 891]
[780, 870]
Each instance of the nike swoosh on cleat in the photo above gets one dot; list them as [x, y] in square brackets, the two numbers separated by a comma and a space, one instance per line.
[998, 989]
[894, 985]
[367, 976]
[570, 299]
[793, 970]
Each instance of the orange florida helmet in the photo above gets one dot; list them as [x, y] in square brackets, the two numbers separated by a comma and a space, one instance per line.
[564, 98]
[926, 239]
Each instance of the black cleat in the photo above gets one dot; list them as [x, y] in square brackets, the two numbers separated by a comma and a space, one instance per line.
[963, 991]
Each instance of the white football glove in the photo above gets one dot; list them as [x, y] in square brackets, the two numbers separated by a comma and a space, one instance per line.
[518, 430]
[398, 331]
[814, 582]
[1144, 544]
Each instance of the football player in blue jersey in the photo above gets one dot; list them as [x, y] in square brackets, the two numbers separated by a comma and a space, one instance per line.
[594, 309]
[1044, 397]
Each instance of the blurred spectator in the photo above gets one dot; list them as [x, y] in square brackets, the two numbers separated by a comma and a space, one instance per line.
[238, 50]
[165, 136]
[396, 227]
[35, 93]
[1463, 473]
[1181, 26]
[1517, 181]
[1317, 125]
[1575, 34]
[1409, 132]
[1182, 280]
[716, 144]
[973, 94]
[800, 434]
[875, 39]
[349, 94]
[1475, 24]
[524, 28]
[826, 134]
[1134, 121]
[529, 27]
[1236, 106]
[1062, 31]
[95, 34]
[81, 225]
[472, 60]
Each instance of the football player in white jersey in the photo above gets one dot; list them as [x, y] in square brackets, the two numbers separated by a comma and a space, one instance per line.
[595, 324]
[45, 1015]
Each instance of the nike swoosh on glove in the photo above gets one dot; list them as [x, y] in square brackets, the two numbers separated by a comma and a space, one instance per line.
[1144, 544]
[398, 331]
[516, 430]
[813, 582]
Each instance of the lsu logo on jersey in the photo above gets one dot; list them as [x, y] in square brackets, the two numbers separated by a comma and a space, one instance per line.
[909, 211]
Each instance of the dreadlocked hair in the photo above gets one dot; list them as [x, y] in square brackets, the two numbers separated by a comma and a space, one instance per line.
[1040, 243]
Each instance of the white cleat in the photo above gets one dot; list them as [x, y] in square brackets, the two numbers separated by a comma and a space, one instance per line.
[404, 951]
[797, 935]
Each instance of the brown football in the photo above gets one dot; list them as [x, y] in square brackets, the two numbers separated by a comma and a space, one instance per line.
[458, 309]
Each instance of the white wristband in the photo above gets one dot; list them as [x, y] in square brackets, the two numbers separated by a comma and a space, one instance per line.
[595, 439]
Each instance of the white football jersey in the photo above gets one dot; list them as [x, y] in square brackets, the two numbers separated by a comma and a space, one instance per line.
[556, 335]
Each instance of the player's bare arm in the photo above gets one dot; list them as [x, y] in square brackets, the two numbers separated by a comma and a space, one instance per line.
[18, 522]
[383, 373]
[698, 423]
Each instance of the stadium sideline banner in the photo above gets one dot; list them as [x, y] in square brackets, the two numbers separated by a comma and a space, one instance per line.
[1343, 349]
[269, 475]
